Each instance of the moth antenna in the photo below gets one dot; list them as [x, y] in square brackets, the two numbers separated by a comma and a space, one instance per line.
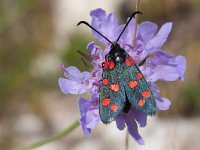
[132, 16]
[84, 22]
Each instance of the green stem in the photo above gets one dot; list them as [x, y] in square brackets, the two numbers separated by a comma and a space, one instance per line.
[135, 24]
[55, 137]
[127, 139]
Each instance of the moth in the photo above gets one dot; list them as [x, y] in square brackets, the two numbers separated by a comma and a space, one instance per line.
[122, 83]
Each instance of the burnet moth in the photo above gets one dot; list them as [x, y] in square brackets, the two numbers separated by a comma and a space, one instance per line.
[122, 83]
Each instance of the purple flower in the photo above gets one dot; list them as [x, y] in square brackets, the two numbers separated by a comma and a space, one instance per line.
[132, 119]
[164, 67]
[89, 115]
[97, 55]
[160, 67]
[76, 82]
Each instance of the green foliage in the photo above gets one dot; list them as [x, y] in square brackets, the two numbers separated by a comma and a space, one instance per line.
[192, 99]
[71, 57]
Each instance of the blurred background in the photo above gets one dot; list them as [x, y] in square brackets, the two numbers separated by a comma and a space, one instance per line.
[36, 37]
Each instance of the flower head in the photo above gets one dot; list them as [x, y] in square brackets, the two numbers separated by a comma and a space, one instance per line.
[160, 67]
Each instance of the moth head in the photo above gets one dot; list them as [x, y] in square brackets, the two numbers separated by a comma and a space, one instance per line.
[114, 46]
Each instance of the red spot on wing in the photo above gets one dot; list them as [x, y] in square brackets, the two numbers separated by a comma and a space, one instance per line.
[114, 87]
[139, 76]
[111, 65]
[105, 81]
[133, 84]
[128, 62]
[114, 107]
[146, 94]
[105, 102]
[141, 102]
[105, 64]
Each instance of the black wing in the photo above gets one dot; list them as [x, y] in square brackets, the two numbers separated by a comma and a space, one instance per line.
[112, 92]
[137, 89]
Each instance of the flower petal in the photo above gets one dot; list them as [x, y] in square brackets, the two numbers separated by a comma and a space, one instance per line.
[160, 37]
[106, 25]
[133, 129]
[85, 76]
[86, 131]
[147, 30]
[181, 66]
[92, 118]
[164, 67]
[164, 73]
[163, 103]
[140, 117]
[129, 35]
[89, 116]
[72, 73]
[122, 39]
[91, 46]
[155, 89]
[72, 87]
[98, 13]
[109, 27]
[96, 53]
[120, 122]
[94, 93]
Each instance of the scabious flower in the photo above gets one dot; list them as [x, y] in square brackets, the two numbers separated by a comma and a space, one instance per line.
[161, 66]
